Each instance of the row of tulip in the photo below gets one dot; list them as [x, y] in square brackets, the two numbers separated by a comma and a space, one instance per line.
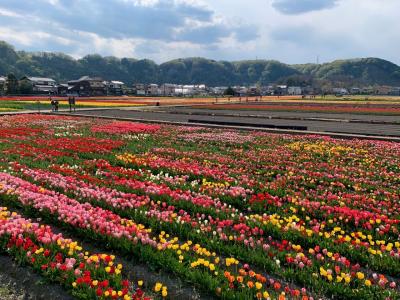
[64, 261]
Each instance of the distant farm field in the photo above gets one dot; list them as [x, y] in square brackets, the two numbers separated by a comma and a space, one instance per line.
[31, 102]
[326, 107]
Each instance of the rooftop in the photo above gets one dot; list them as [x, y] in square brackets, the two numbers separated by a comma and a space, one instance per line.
[40, 79]
[86, 78]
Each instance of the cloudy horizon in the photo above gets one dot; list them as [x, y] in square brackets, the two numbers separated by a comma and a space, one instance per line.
[301, 31]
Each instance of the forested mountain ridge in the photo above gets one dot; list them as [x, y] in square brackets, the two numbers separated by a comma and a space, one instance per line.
[363, 71]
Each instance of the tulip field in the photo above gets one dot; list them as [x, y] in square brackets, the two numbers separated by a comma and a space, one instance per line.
[234, 214]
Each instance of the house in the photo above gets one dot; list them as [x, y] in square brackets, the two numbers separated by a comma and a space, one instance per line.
[139, 89]
[310, 90]
[3, 81]
[115, 87]
[340, 91]
[241, 91]
[201, 90]
[367, 90]
[87, 86]
[191, 90]
[395, 91]
[294, 90]
[280, 90]
[152, 90]
[219, 90]
[62, 89]
[40, 85]
[179, 90]
[253, 91]
[355, 91]
[382, 90]
[168, 89]
[267, 90]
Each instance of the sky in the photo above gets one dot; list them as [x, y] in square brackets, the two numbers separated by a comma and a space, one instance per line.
[291, 31]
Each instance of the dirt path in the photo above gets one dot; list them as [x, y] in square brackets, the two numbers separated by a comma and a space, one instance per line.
[21, 283]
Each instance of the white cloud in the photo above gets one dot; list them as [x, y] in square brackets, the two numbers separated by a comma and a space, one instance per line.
[8, 13]
[145, 2]
[302, 6]
[13, 36]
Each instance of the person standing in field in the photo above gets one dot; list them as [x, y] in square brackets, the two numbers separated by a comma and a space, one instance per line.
[56, 105]
[70, 103]
[53, 104]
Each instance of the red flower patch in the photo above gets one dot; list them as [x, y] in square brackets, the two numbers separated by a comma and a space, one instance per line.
[119, 127]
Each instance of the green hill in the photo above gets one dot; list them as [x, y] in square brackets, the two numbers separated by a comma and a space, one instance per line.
[363, 71]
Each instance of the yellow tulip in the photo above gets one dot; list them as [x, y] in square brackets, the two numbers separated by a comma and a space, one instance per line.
[360, 275]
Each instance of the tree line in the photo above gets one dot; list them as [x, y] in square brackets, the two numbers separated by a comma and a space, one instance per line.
[61, 67]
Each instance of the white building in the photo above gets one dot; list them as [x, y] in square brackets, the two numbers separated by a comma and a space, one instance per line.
[168, 89]
[219, 90]
[201, 90]
[152, 90]
[240, 90]
[182, 90]
[139, 89]
[115, 87]
[395, 91]
[294, 90]
[280, 90]
[355, 90]
[116, 84]
[189, 90]
[340, 91]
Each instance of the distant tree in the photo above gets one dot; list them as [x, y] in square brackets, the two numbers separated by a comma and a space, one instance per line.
[25, 87]
[297, 80]
[12, 86]
[7, 53]
[229, 92]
